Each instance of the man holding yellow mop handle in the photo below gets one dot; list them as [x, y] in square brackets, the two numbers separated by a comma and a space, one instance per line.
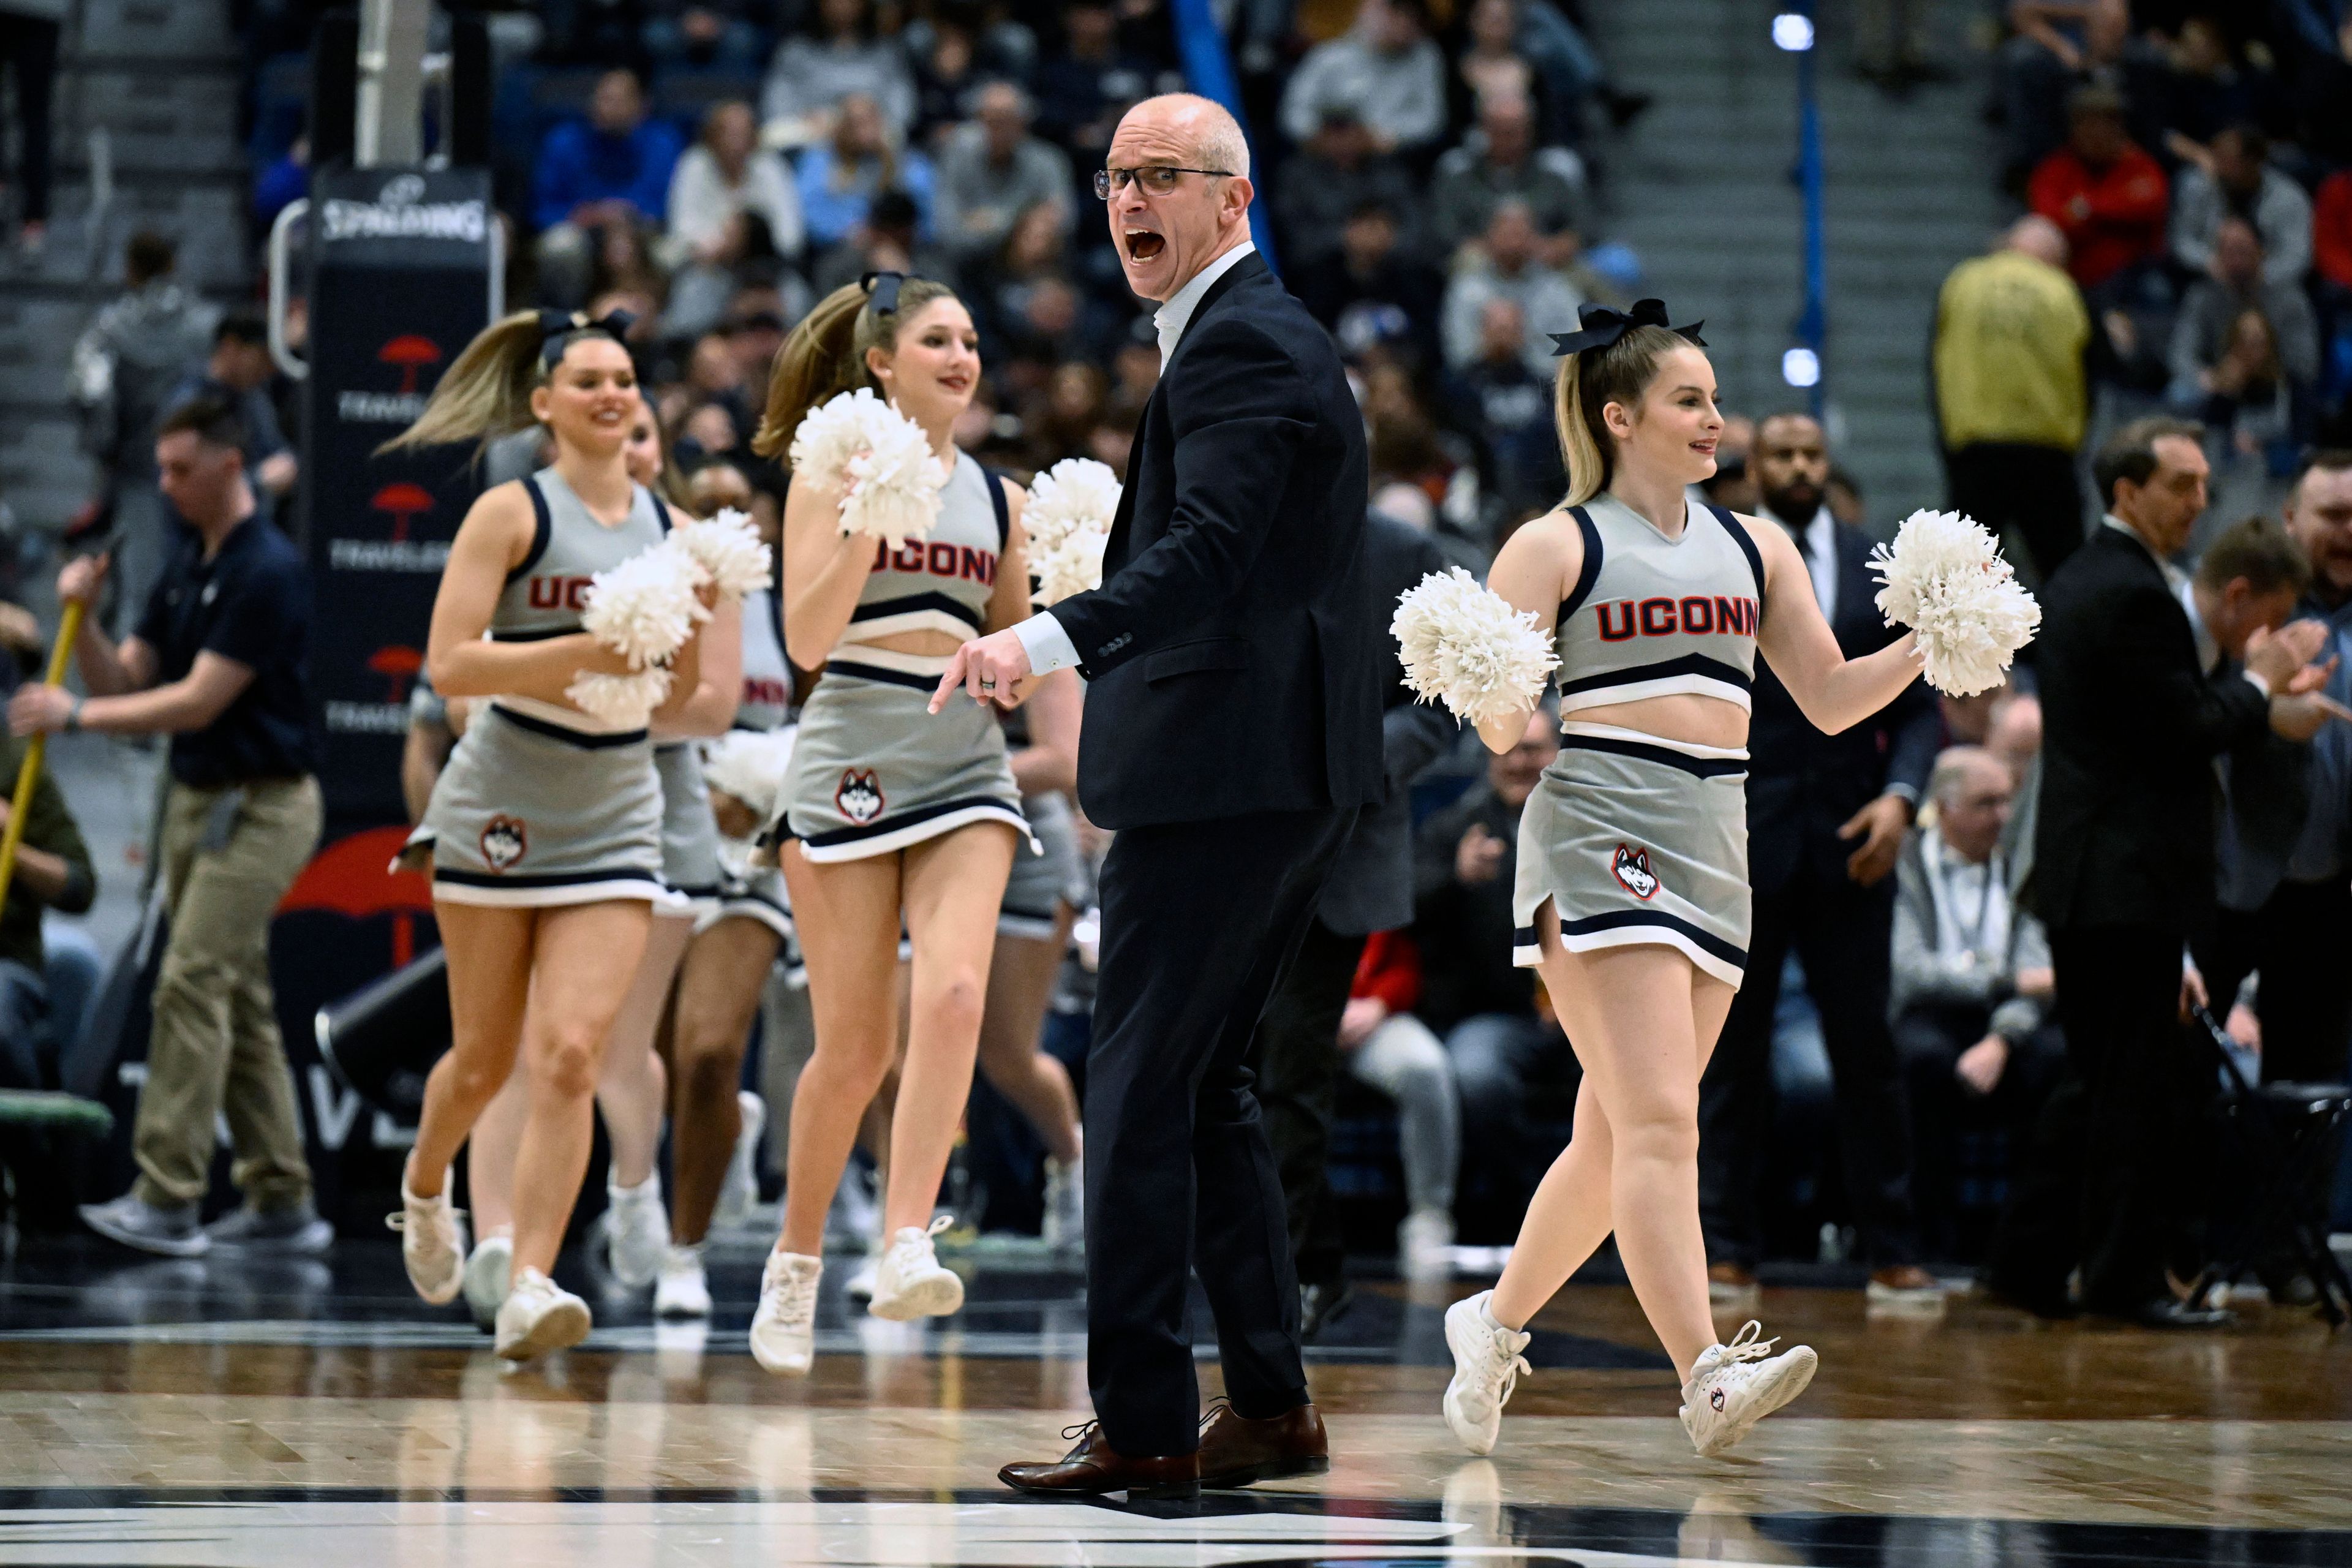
[215, 663]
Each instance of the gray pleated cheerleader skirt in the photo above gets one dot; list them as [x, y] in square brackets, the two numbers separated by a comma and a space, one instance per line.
[689, 833]
[528, 814]
[875, 771]
[1045, 873]
[1635, 840]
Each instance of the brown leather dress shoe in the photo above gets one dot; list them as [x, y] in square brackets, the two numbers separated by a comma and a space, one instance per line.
[1237, 1451]
[1094, 1467]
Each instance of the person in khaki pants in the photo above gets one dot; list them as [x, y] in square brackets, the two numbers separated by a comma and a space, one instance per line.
[215, 663]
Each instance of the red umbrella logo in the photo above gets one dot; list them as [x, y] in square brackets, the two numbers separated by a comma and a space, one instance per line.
[411, 353]
[352, 878]
[403, 500]
[397, 665]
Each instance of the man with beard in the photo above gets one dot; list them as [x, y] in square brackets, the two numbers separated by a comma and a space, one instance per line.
[1826, 818]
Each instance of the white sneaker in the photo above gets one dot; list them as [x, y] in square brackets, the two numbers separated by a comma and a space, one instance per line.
[489, 1273]
[637, 1234]
[1486, 1366]
[539, 1316]
[1425, 1245]
[1735, 1385]
[432, 1243]
[682, 1290]
[857, 1212]
[1066, 1205]
[910, 1282]
[739, 1193]
[783, 1331]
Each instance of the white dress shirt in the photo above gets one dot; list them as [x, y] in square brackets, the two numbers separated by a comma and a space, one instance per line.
[1048, 646]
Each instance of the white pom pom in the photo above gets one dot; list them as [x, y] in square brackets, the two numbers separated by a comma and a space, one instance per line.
[644, 607]
[622, 702]
[1946, 580]
[751, 765]
[1068, 520]
[728, 551]
[879, 463]
[1465, 645]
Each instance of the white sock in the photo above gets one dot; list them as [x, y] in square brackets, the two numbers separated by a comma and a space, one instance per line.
[1487, 1313]
[650, 1188]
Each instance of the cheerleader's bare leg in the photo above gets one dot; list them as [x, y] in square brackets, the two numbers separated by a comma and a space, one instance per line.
[1020, 987]
[718, 993]
[848, 914]
[953, 886]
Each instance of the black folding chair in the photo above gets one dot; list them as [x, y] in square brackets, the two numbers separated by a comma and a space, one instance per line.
[2288, 1132]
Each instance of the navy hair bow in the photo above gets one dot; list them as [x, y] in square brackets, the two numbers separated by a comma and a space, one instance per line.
[1600, 327]
[882, 291]
[556, 326]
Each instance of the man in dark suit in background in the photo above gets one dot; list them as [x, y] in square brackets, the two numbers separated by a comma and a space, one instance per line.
[1370, 890]
[1826, 816]
[2124, 877]
[1234, 661]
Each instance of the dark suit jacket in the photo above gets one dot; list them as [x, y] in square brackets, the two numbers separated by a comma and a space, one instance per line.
[1233, 657]
[2130, 728]
[1372, 886]
[1803, 785]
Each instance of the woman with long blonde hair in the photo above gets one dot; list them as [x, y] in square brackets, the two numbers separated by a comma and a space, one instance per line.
[1632, 894]
[632, 1090]
[544, 830]
[893, 816]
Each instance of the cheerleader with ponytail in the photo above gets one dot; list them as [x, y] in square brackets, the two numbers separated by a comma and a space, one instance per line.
[898, 550]
[1632, 894]
[558, 614]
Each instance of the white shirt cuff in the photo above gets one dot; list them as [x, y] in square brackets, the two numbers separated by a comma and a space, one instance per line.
[2258, 682]
[1048, 646]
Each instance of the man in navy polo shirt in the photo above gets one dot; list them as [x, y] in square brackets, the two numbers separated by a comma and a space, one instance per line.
[217, 663]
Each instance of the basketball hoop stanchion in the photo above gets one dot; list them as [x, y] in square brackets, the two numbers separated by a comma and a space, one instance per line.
[28, 774]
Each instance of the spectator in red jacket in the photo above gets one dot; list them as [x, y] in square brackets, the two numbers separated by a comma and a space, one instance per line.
[2331, 231]
[2103, 190]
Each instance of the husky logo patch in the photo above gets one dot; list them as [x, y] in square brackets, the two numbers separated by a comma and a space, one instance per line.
[504, 843]
[859, 796]
[1714, 1397]
[1631, 868]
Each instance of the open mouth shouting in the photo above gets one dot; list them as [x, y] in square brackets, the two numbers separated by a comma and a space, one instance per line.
[1142, 244]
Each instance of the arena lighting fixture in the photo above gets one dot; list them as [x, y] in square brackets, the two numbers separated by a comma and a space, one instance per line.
[1801, 367]
[1793, 32]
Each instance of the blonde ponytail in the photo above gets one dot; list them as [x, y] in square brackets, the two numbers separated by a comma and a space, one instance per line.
[1589, 383]
[486, 393]
[826, 354]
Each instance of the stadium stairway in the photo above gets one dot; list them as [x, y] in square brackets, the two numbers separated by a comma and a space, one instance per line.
[1702, 187]
[159, 78]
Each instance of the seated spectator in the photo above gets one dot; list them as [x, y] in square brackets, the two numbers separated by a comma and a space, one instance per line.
[1368, 272]
[704, 35]
[1509, 266]
[1487, 63]
[2058, 47]
[2331, 233]
[2236, 177]
[890, 239]
[725, 174]
[2216, 354]
[841, 176]
[2248, 405]
[1339, 170]
[840, 56]
[992, 172]
[1085, 86]
[1387, 1048]
[1508, 409]
[1531, 47]
[1386, 69]
[1971, 982]
[2106, 195]
[53, 872]
[238, 373]
[1502, 1044]
[613, 168]
[2201, 88]
[701, 291]
[1500, 160]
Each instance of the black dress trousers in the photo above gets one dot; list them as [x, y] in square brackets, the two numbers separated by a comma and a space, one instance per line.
[1199, 921]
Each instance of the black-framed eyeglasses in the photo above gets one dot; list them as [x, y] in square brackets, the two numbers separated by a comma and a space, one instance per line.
[1158, 179]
